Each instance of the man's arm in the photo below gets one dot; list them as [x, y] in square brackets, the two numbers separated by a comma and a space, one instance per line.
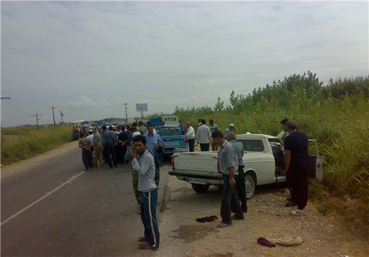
[144, 167]
[287, 159]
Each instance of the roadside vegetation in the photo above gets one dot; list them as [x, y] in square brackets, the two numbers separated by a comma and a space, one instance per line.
[20, 143]
[336, 115]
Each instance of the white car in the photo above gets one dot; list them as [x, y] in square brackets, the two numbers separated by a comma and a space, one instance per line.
[260, 160]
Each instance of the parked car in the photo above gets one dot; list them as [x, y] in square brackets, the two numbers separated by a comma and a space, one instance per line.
[261, 164]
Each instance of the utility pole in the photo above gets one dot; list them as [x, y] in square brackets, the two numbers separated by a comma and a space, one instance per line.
[52, 107]
[36, 118]
[61, 115]
[125, 104]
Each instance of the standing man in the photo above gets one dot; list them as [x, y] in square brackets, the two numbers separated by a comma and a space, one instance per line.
[229, 129]
[240, 185]
[108, 142]
[153, 140]
[98, 148]
[122, 141]
[213, 127]
[85, 144]
[182, 127]
[143, 162]
[141, 128]
[296, 160]
[191, 137]
[203, 136]
[228, 165]
[284, 132]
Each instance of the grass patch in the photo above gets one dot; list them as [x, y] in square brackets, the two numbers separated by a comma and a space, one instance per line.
[19, 144]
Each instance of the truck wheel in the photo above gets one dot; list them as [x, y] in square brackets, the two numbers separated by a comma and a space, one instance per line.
[200, 188]
[249, 185]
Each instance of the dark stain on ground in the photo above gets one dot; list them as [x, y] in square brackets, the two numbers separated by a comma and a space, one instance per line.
[192, 233]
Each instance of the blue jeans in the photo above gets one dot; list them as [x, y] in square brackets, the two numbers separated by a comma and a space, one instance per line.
[148, 217]
[230, 201]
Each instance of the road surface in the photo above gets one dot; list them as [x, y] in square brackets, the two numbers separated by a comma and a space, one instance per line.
[54, 208]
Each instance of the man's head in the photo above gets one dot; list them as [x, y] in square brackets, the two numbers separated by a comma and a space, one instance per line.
[90, 132]
[94, 130]
[139, 143]
[150, 129]
[217, 137]
[203, 121]
[291, 126]
[231, 136]
[140, 123]
[181, 122]
[111, 128]
[283, 124]
[231, 126]
[103, 127]
[211, 122]
[188, 124]
[162, 123]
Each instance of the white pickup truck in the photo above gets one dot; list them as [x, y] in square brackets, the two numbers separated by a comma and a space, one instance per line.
[262, 165]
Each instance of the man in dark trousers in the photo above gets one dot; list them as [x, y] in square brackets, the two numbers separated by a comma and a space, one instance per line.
[143, 162]
[86, 145]
[296, 160]
[240, 185]
[228, 165]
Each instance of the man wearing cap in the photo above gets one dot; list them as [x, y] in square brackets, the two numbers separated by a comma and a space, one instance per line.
[227, 130]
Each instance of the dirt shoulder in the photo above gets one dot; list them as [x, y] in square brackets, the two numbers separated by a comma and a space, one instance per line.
[15, 168]
[181, 235]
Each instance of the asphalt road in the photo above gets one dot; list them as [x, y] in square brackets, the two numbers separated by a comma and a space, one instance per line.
[56, 209]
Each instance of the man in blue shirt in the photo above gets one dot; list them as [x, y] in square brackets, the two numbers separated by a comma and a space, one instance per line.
[108, 142]
[153, 140]
[240, 185]
[228, 165]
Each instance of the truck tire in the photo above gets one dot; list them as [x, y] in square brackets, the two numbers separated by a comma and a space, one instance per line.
[200, 188]
[249, 185]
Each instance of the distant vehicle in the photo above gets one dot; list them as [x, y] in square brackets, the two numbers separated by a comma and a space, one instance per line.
[173, 139]
[171, 120]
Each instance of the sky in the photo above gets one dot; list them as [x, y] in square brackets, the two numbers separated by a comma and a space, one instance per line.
[88, 58]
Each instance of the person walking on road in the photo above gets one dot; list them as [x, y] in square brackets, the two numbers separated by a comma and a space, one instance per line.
[98, 148]
[240, 185]
[228, 166]
[108, 142]
[85, 144]
[143, 162]
[296, 160]
[203, 136]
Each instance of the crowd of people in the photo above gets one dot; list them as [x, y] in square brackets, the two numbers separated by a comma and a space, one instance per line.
[143, 147]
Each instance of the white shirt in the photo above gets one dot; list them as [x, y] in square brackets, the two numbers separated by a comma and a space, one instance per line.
[190, 132]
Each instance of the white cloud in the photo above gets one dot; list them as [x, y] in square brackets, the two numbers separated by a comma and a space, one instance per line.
[83, 102]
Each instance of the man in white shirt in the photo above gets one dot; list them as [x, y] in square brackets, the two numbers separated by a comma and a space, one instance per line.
[191, 137]
[203, 136]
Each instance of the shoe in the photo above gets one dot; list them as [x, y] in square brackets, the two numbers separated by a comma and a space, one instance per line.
[237, 217]
[147, 246]
[244, 210]
[223, 225]
[291, 204]
[299, 212]
[142, 239]
[86, 169]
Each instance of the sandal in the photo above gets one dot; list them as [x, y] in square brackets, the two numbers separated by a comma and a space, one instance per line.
[142, 239]
[146, 246]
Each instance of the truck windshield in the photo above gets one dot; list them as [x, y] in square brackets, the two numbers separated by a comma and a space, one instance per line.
[253, 145]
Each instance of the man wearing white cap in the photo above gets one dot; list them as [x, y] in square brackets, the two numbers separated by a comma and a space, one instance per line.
[227, 130]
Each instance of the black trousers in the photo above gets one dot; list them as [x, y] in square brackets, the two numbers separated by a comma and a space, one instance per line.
[230, 202]
[240, 188]
[204, 147]
[298, 180]
[157, 171]
[191, 144]
[87, 159]
[110, 154]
